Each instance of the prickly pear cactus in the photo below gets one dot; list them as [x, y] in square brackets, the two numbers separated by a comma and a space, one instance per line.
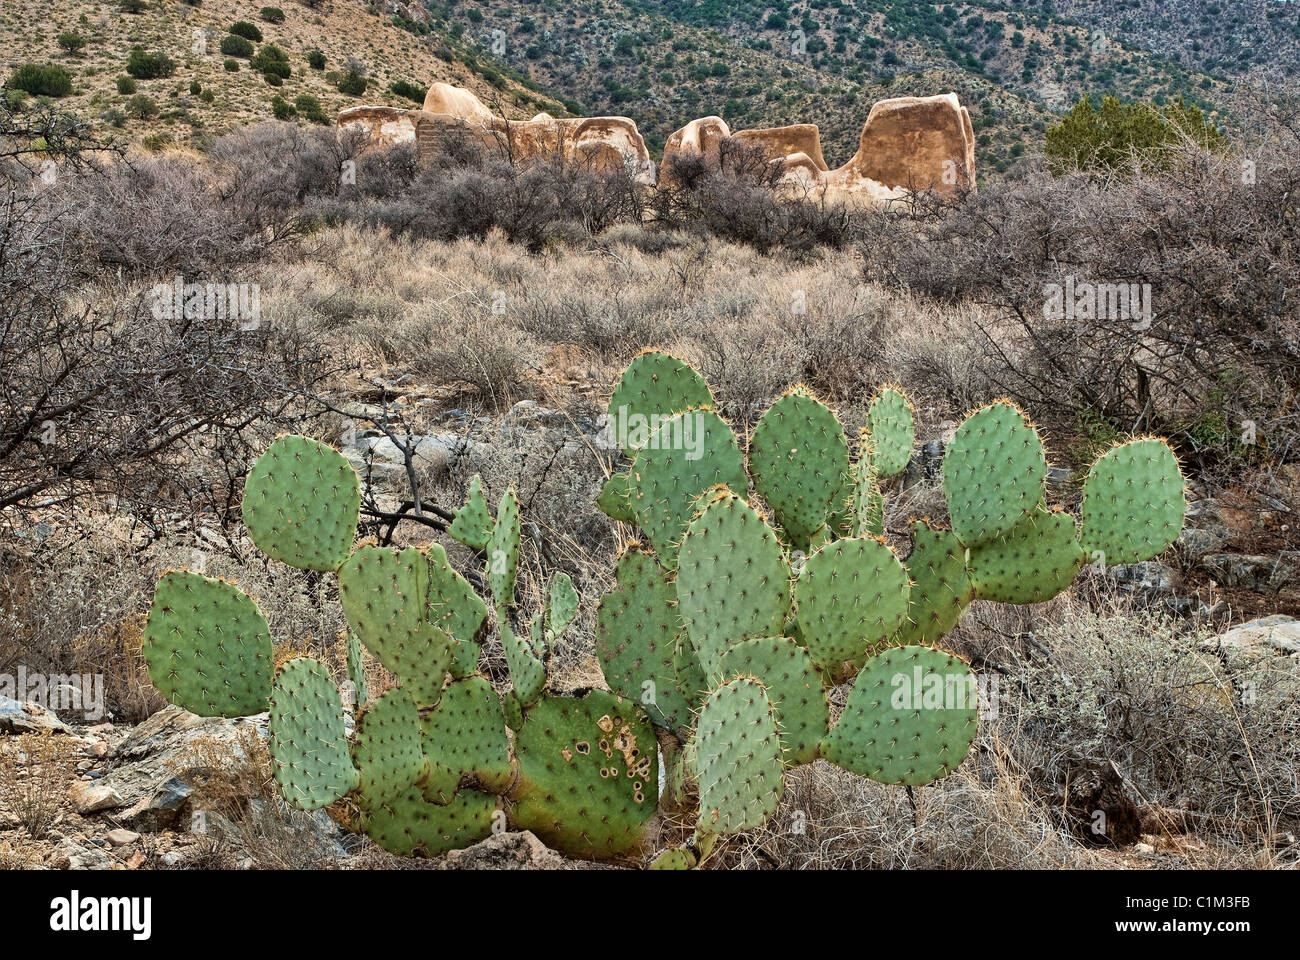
[992, 473]
[588, 775]
[301, 503]
[689, 454]
[739, 758]
[892, 429]
[798, 455]
[910, 719]
[733, 582]
[1133, 502]
[308, 745]
[207, 646]
[850, 598]
[655, 385]
[778, 611]
[721, 639]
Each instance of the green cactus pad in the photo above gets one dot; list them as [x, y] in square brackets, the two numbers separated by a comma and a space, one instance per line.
[307, 742]
[654, 385]
[798, 455]
[840, 519]
[527, 670]
[513, 710]
[1034, 562]
[910, 718]
[453, 604]
[637, 640]
[793, 684]
[670, 474]
[868, 502]
[410, 824]
[503, 550]
[388, 751]
[615, 500]
[472, 524]
[207, 646]
[738, 758]
[561, 607]
[464, 659]
[893, 431]
[992, 473]
[851, 596]
[301, 503]
[941, 585]
[733, 582]
[357, 670]
[588, 775]
[384, 593]
[1133, 502]
[466, 734]
[677, 858]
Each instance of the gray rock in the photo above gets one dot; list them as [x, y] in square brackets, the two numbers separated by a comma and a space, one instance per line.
[1276, 635]
[516, 850]
[17, 717]
[152, 769]
[74, 856]
[1196, 542]
[431, 453]
[1277, 575]
[1149, 577]
[1058, 478]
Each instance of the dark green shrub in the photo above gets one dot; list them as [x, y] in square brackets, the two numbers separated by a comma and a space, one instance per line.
[310, 108]
[142, 107]
[410, 91]
[270, 59]
[232, 66]
[71, 41]
[233, 45]
[249, 31]
[1114, 135]
[315, 59]
[131, 6]
[207, 96]
[352, 83]
[196, 88]
[44, 80]
[125, 85]
[282, 109]
[148, 66]
[273, 15]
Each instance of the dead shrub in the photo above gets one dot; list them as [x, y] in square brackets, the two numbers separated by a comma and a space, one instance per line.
[34, 776]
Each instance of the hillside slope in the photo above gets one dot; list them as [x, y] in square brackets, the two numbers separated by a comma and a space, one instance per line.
[661, 62]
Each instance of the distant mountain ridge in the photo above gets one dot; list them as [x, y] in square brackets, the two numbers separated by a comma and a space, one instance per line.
[660, 62]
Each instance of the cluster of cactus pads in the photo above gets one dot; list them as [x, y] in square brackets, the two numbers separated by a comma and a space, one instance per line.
[764, 580]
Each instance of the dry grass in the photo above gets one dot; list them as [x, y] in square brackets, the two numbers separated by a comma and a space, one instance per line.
[246, 821]
[34, 775]
[487, 317]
